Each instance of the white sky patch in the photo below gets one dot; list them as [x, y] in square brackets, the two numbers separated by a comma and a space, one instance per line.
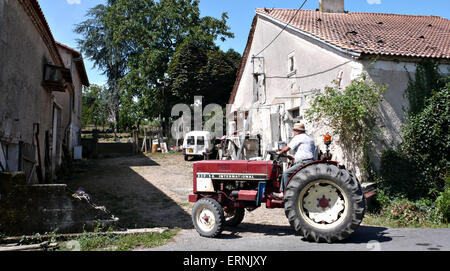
[374, 2]
[72, 2]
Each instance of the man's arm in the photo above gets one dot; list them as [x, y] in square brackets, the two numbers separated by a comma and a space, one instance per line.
[285, 150]
[292, 145]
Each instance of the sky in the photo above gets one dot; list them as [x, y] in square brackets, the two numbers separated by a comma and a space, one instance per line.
[63, 15]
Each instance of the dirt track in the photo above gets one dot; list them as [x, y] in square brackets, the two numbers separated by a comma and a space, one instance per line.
[151, 191]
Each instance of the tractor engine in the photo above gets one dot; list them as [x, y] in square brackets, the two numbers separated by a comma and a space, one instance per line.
[232, 183]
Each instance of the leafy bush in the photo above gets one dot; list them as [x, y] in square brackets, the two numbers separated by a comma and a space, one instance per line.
[399, 177]
[412, 175]
[351, 113]
[427, 139]
[443, 202]
[405, 212]
[401, 212]
[416, 168]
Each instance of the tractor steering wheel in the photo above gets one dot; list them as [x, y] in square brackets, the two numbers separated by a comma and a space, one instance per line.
[275, 156]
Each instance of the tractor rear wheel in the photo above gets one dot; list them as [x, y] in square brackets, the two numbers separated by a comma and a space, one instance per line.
[234, 216]
[208, 217]
[324, 203]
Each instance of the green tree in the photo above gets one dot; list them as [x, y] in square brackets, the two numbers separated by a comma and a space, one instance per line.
[152, 32]
[94, 111]
[185, 71]
[220, 73]
[109, 56]
[197, 70]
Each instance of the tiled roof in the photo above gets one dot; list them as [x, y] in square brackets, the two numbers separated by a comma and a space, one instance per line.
[373, 33]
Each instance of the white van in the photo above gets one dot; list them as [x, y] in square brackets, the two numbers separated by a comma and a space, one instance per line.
[198, 144]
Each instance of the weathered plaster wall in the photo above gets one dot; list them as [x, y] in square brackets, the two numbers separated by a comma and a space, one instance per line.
[72, 122]
[76, 113]
[22, 59]
[23, 101]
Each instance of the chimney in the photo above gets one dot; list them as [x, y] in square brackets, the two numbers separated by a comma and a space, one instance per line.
[331, 6]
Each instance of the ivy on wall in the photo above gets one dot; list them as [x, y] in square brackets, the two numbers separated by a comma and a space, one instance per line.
[427, 79]
[418, 167]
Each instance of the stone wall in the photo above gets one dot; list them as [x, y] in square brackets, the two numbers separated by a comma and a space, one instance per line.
[30, 209]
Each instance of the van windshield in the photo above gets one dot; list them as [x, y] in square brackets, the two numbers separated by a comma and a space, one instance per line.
[191, 140]
[201, 141]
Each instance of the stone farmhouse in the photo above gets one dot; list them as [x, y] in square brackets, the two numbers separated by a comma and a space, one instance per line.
[291, 53]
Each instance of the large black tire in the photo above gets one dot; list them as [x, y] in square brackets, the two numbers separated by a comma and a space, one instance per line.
[305, 191]
[208, 217]
[234, 217]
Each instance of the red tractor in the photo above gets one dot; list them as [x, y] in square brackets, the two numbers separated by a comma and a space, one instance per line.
[323, 201]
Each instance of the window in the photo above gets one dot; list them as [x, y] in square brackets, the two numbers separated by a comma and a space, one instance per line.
[191, 140]
[201, 141]
[292, 64]
[295, 114]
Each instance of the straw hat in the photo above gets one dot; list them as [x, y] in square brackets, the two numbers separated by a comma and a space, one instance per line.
[299, 127]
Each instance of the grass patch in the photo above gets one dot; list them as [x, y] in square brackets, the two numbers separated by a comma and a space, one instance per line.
[185, 204]
[382, 220]
[115, 242]
[403, 213]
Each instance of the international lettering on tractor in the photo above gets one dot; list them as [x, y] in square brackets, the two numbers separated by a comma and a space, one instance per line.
[323, 200]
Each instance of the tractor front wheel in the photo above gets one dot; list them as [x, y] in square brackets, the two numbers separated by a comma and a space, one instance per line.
[208, 217]
[324, 203]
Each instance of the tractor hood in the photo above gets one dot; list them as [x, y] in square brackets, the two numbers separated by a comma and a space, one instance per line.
[234, 170]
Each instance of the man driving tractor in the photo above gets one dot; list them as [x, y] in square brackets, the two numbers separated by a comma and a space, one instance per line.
[303, 147]
[322, 200]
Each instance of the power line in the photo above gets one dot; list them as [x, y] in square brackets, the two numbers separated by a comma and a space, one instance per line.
[308, 75]
[284, 28]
